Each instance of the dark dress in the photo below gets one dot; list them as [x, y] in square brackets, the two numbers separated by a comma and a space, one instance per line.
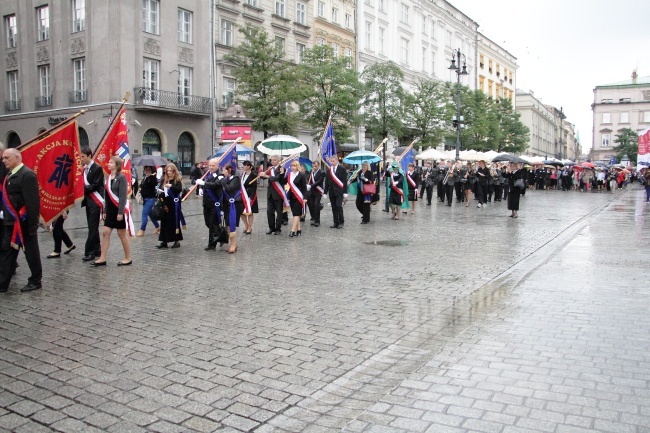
[119, 188]
[251, 190]
[513, 192]
[363, 201]
[170, 230]
[231, 188]
[297, 205]
[415, 177]
[397, 182]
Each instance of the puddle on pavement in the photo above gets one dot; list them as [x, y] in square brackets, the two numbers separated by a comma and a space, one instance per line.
[388, 243]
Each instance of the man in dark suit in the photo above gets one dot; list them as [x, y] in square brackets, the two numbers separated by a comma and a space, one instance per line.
[21, 215]
[93, 201]
[212, 201]
[3, 173]
[427, 182]
[336, 184]
[275, 197]
[315, 188]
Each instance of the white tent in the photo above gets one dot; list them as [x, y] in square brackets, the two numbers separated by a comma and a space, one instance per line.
[431, 154]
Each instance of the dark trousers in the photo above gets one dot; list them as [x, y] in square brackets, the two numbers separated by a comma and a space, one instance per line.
[59, 235]
[490, 192]
[441, 191]
[210, 220]
[8, 256]
[93, 247]
[314, 206]
[274, 211]
[498, 190]
[449, 192]
[428, 190]
[459, 191]
[363, 208]
[336, 200]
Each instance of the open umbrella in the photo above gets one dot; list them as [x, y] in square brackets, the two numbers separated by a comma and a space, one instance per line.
[360, 156]
[302, 161]
[587, 165]
[149, 160]
[241, 150]
[431, 154]
[170, 156]
[553, 162]
[506, 157]
[283, 145]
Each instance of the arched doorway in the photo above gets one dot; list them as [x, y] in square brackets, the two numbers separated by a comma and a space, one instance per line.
[13, 140]
[186, 152]
[151, 143]
[83, 138]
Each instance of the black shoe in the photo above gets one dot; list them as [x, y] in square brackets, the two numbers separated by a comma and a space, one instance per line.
[70, 249]
[292, 234]
[448, 204]
[270, 232]
[277, 232]
[210, 248]
[298, 233]
[302, 220]
[176, 245]
[316, 224]
[53, 255]
[129, 263]
[31, 287]
[334, 226]
[99, 263]
[88, 258]
[364, 222]
[312, 223]
[162, 245]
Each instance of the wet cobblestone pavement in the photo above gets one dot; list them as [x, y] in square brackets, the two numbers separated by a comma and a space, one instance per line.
[450, 320]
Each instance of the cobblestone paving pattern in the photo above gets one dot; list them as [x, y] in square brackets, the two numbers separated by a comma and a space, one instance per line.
[475, 322]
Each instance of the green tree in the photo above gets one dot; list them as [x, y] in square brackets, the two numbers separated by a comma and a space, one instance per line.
[383, 100]
[331, 88]
[628, 144]
[514, 134]
[427, 112]
[266, 83]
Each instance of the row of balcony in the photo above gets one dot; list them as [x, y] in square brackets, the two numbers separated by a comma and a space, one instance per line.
[144, 98]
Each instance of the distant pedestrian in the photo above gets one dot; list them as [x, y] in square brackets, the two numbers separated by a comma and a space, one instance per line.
[515, 176]
[646, 178]
[60, 236]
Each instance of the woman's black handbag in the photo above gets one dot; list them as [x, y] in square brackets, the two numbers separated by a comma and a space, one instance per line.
[519, 183]
[220, 234]
[158, 210]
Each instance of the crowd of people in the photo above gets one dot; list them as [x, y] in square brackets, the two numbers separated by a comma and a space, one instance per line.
[230, 196]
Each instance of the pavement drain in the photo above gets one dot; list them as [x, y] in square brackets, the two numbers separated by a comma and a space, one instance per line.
[389, 243]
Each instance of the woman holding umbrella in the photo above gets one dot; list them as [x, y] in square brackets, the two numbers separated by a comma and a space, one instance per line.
[363, 201]
[514, 173]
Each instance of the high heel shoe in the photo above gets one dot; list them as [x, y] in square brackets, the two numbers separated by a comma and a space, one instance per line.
[299, 233]
[292, 234]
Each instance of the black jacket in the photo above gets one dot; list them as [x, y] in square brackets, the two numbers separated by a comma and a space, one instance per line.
[95, 178]
[21, 190]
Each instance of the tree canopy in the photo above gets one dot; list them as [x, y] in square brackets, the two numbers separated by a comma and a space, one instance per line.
[628, 144]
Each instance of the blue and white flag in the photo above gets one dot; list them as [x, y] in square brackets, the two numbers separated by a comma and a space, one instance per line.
[328, 146]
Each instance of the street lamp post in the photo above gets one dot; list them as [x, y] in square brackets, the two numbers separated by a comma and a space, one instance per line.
[458, 120]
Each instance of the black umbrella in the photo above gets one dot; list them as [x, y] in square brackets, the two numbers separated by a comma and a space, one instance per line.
[149, 160]
[506, 157]
[553, 163]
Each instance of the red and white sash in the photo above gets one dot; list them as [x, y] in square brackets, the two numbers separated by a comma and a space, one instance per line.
[335, 179]
[312, 180]
[296, 191]
[95, 196]
[278, 188]
[246, 200]
[127, 207]
[395, 188]
[412, 183]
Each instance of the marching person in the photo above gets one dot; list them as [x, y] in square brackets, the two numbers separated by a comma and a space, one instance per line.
[449, 181]
[396, 190]
[276, 197]
[21, 212]
[412, 178]
[470, 178]
[212, 202]
[148, 194]
[249, 197]
[196, 174]
[93, 201]
[363, 201]
[60, 236]
[297, 183]
[232, 204]
[442, 171]
[482, 176]
[116, 212]
[428, 181]
[315, 187]
[336, 187]
[170, 189]
[3, 174]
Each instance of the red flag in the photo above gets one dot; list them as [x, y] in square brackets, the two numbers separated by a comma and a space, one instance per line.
[56, 160]
[116, 142]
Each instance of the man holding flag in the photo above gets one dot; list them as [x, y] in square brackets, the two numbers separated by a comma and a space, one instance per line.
[21, 208]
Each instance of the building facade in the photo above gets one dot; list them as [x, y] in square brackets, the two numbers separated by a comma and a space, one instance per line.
[64, 56]
[497, 70]
[540, 120]
[617, 106]
[419, 36]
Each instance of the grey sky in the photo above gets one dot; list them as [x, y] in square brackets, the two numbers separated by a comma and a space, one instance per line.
[565, 48]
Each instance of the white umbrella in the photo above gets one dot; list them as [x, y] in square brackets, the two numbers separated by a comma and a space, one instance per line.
[283, 145]
[430, 154]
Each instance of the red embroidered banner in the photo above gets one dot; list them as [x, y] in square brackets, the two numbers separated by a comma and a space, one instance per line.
[56, 161]
[116, 142]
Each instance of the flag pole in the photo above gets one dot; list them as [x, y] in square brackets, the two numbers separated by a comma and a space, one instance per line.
[234, 143]
[408, 148]
[110, 124]
[52, 129]
[284, 161]
[320, 148]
